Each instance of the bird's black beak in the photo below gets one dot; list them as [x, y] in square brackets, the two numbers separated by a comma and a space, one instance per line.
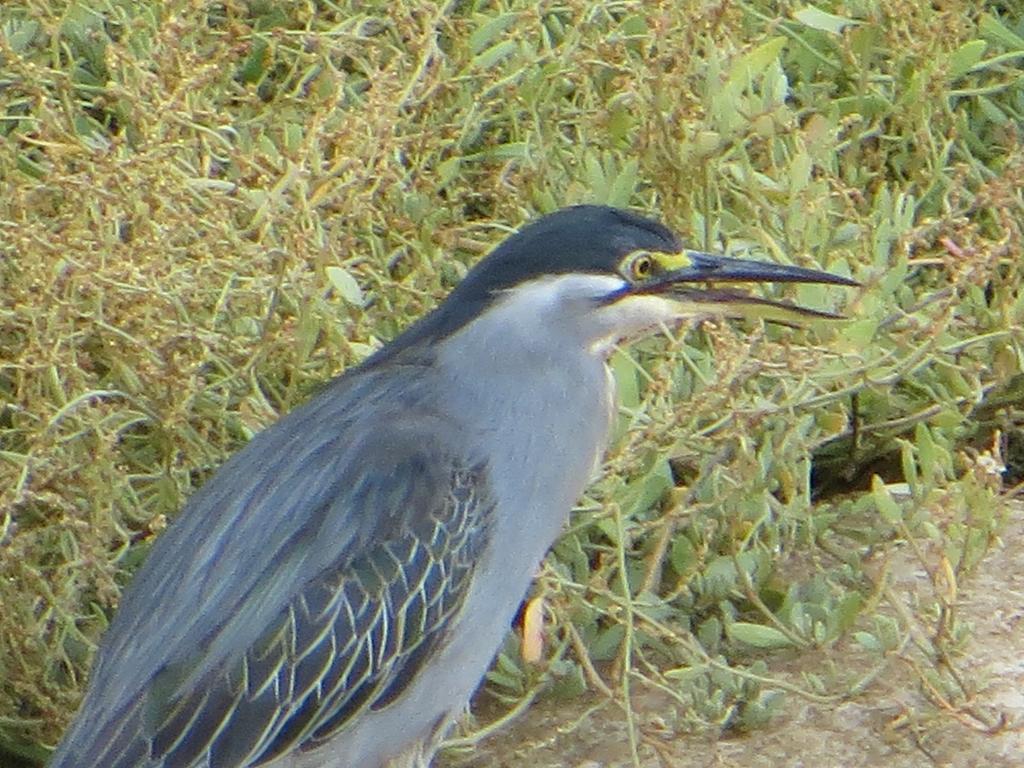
[679, 272]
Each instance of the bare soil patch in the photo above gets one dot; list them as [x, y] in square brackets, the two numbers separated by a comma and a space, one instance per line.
[893, 723]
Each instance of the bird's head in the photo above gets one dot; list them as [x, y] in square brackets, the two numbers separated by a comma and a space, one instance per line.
[617, 274]
[605, 274]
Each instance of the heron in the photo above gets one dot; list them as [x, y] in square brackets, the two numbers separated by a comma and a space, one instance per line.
[334, 593]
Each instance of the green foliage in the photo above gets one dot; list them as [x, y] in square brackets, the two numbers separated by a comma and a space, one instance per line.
[208, 209]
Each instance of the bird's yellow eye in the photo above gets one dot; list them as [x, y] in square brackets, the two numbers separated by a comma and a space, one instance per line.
[641, 266]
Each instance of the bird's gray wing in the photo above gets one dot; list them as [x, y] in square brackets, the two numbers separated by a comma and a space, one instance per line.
[411, 518]
[352, 640]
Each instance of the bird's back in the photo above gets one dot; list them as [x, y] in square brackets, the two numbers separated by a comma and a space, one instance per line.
[265, 617]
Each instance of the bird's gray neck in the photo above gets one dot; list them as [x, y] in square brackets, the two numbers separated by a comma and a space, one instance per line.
[540, 405]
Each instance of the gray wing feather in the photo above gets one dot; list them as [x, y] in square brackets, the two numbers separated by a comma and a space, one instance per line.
[301, 587]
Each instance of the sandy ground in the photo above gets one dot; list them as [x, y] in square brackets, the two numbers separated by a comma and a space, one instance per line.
[892, 724]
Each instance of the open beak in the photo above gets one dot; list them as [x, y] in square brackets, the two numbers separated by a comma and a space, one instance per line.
[678, 285]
